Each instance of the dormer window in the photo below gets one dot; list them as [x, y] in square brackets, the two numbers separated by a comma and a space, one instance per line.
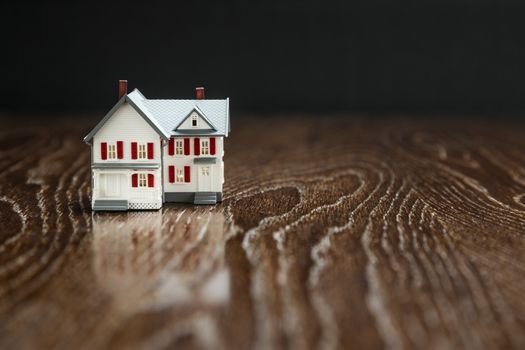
[194, 120]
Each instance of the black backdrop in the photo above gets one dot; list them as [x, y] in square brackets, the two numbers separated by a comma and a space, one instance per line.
[421, 56]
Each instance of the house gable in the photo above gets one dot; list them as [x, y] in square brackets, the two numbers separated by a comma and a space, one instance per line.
[128, 101]
[127, 126]
[195, 121]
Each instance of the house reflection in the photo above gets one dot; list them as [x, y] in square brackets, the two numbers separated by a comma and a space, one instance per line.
[147, 260]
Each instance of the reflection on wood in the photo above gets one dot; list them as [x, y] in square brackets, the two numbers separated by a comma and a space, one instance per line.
[333, 234]
[143, 266]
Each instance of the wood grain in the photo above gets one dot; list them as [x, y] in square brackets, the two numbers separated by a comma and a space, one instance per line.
[334, 233]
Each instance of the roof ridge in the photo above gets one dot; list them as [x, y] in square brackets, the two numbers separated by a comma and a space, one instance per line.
[185, 99]
[163, 114]
[135, 90]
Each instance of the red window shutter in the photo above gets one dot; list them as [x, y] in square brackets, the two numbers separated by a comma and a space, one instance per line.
[187, 174]
[120, 149]
[196, 146]
[134, 180]
[186, 147]
[133, 150]
[104, 150]
[150, 150]
[212, 145]
[171, 173]
[151, 181]
[171, 146]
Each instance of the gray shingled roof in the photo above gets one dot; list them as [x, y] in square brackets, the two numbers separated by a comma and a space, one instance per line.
[165, 115]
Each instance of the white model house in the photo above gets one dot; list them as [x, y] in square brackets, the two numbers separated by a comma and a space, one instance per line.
[146, 152]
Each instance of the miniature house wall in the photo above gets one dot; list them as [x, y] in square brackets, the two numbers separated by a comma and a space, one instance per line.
[149, 151]
[127, 126]
[216, 170]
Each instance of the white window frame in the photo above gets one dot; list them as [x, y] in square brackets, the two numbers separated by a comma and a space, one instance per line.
[205, 171]
[142, 151]
[142, 180]
[112, 151]
[194, 120]
[179, 175]
[205, 147]
[179, 147]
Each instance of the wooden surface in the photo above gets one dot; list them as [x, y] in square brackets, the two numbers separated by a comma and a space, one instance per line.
[368, 234]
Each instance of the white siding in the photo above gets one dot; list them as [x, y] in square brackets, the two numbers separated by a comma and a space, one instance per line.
[128, 126]
[179, 161]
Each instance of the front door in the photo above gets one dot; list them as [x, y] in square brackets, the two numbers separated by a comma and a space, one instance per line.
[111, 183]
[205, 174]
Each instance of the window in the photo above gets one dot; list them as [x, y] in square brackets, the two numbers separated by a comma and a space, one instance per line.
[205, 147]
[194, 120]
[179, 147]
[112, 151]
[143, 182]
[205, 170]
[142, 151]
[180, 175]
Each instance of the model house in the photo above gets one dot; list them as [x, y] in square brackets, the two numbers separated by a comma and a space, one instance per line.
[145, 152]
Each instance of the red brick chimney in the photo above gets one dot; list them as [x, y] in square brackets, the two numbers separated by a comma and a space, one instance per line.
[199, 93]
[122, 88]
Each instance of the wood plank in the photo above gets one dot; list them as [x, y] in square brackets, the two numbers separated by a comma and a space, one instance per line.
[334, 233]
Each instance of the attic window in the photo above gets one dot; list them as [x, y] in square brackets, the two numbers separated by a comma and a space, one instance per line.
[193, 120]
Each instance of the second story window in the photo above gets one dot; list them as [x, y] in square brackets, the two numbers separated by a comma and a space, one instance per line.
[194, 120]
[112, 151]
[142, 151]
[205, 147]
[179, 147]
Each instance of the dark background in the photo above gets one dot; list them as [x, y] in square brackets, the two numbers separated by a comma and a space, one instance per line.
[376, 56]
